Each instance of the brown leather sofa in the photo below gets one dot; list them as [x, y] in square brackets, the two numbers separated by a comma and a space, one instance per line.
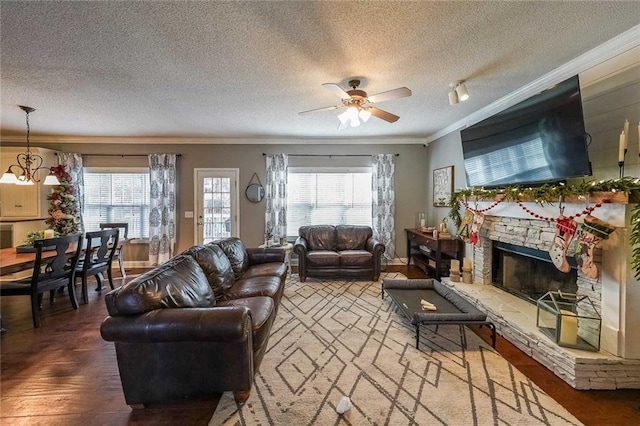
[343, 250]
[197, 325]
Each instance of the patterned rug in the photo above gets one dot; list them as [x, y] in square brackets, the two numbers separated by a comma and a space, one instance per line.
[339, 338]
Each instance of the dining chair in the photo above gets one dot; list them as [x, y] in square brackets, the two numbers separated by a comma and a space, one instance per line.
[124, 232]
[99, 249]
[49, 273]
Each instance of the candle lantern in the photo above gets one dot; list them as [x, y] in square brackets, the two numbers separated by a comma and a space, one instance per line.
[421, 220]
[570, 320]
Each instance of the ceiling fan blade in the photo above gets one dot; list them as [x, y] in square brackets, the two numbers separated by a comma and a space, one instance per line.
[337, 90]
[329, 108]
[400, 92]
[386, 116]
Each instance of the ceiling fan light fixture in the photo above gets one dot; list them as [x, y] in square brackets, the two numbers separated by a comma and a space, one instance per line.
[364, 115]
[359, 105]
[344, 117]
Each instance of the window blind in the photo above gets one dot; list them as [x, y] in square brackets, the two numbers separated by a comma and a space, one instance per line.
[117, 197]
[329, 197]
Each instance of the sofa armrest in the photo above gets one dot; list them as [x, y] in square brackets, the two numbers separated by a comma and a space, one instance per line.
[227, 324]
[374, 246]
[300, 247]
[265, 255]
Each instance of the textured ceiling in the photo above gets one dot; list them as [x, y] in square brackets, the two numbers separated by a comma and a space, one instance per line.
[244, 69]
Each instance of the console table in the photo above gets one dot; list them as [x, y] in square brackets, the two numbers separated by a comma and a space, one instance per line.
[436, 253]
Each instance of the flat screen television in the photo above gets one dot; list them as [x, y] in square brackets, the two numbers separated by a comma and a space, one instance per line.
[539, 140]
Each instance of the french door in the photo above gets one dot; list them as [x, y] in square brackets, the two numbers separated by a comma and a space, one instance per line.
[216, 204]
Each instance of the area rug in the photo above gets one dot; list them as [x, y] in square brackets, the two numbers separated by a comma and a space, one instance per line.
[336, 338]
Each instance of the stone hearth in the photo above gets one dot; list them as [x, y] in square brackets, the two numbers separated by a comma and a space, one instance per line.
[515, 319]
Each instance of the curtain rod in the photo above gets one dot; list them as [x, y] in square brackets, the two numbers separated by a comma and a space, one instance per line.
[329, 155]
[118, 155]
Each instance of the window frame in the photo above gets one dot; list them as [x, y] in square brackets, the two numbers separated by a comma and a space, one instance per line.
[119, 170]
[327, 170]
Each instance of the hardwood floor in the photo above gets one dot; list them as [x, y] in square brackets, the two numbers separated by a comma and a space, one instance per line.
[64, 373]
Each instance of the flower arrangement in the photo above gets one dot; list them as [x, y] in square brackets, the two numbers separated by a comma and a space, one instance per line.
[63, 210]
[36, 235]
[268, 234]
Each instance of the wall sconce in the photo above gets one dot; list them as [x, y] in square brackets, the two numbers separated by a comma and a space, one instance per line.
[27, 164]
[458, 92]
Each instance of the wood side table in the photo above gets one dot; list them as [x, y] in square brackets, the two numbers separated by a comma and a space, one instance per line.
[288, 249]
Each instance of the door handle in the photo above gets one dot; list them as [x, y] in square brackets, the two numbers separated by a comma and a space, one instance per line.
[200, 222]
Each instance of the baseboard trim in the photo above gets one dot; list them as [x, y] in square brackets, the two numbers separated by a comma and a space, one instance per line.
[137, 264]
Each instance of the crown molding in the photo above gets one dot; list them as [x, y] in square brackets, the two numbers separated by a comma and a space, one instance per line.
[619, 45]
[128, 140]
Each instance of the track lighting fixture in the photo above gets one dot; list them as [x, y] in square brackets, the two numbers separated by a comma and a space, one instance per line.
[458, 92]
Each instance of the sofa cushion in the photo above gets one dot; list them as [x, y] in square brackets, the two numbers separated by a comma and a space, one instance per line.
[319, 237]
[235, 251]
[352, 237]
[255, 286]
[178, 283]
[323, 258]
[271, 269]
[356, 258]
[216, 267]
[262, 317]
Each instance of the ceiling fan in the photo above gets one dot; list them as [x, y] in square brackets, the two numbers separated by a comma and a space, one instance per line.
[359, 104]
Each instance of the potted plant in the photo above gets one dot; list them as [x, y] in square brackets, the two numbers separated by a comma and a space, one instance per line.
[27, 245]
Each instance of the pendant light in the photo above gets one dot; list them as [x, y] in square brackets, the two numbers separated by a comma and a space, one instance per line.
[27, 164]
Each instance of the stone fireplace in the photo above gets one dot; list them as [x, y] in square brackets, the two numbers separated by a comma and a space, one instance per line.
[529, 273]
[512, 260]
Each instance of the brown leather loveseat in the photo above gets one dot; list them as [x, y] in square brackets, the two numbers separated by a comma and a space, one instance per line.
[197, 325]
[343, 250]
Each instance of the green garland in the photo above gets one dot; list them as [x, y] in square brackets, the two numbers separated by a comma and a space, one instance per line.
[548, 193]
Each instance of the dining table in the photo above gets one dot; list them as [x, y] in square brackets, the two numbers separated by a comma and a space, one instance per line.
[11, 261]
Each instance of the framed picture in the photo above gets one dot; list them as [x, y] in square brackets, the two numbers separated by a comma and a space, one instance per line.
[442, 186]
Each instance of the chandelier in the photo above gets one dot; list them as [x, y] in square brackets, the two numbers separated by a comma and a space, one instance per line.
[28, 164]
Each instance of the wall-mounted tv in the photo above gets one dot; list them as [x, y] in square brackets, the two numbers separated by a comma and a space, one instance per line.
[541, 139]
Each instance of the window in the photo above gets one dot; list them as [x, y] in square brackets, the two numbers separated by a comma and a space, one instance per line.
[332, 196]
[117, 195]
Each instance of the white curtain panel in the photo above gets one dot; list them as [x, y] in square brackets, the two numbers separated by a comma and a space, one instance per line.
[275, 216]
[162, 207]
[73, 164]
[384, 201]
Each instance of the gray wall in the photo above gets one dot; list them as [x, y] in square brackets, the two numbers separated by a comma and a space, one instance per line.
[410, 183]
[606, 104]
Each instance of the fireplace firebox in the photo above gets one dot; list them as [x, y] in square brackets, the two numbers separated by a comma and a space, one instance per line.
[529, 273]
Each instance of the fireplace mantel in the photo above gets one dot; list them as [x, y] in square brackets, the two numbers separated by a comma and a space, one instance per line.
[614, 213]
[616, 290]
